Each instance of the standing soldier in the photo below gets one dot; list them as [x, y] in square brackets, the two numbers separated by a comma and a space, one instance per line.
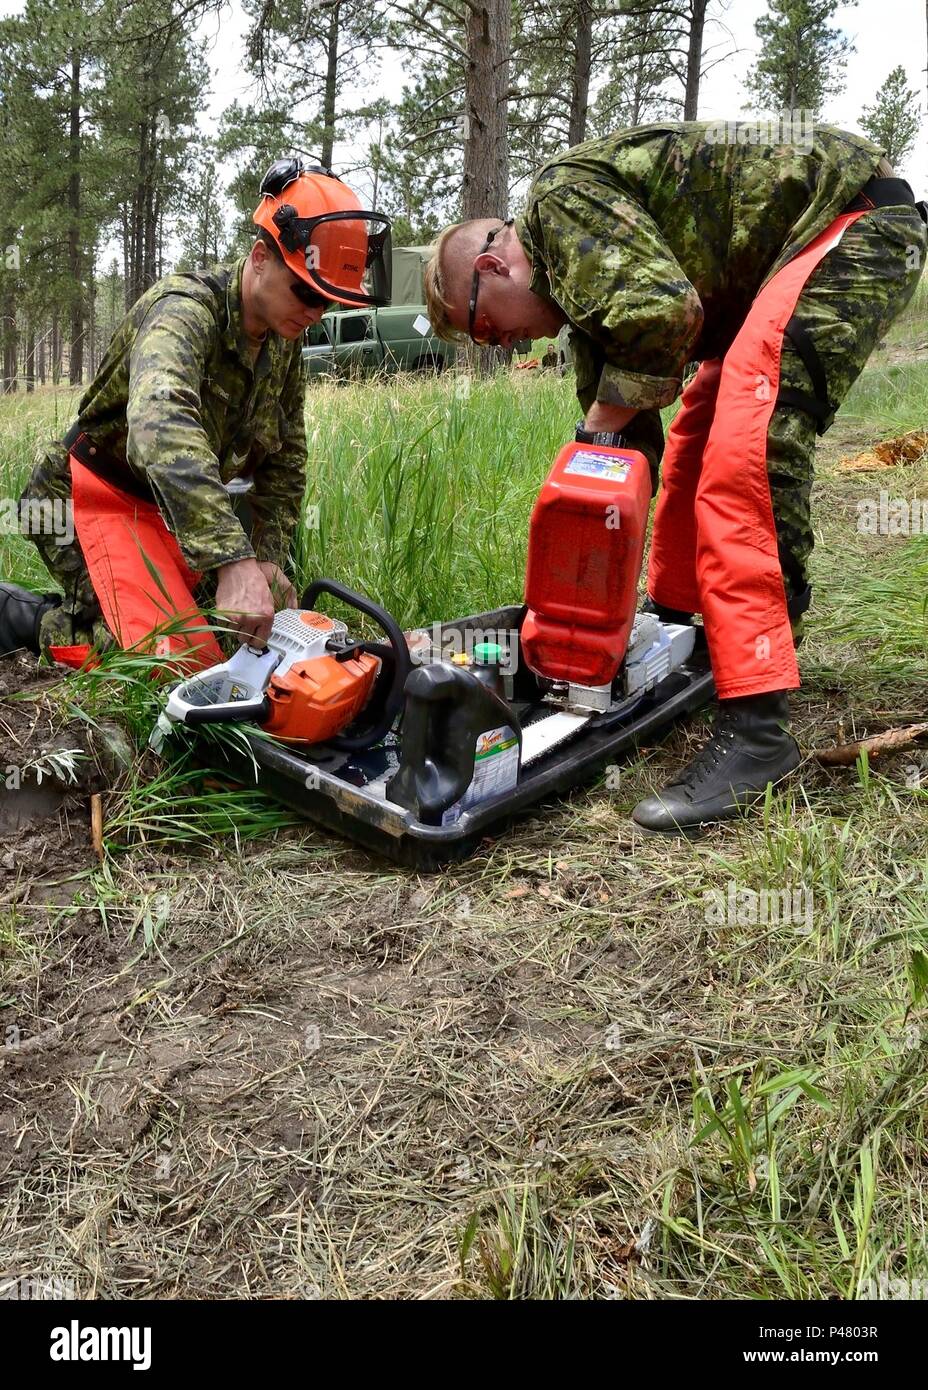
[202, 383]
[777, 266]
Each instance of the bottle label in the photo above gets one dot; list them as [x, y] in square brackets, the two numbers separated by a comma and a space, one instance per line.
[614, 467]
[496, 769]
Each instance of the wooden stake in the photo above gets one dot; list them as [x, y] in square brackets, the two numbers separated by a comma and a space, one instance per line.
[96, 823]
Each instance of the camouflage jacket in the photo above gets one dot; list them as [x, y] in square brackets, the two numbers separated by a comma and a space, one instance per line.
[655, 240]
[179, 402]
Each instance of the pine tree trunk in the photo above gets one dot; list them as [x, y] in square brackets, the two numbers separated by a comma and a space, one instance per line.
[9, 365]
[580, 77]
[56, 349]
[486, 161]
[75, 257]
[151, 211]
[330, 92]
[126, 254]
[485, 191]
[41, 362]
[30, 358]
[694, 58]
[92, 314]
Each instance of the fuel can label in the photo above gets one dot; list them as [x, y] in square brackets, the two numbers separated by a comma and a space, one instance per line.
[614, 468]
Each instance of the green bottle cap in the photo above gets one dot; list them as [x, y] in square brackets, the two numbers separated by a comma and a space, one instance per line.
[488, 653]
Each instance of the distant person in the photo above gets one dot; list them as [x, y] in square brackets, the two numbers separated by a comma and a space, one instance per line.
[549, 360]
[778, 267]
[202, 383]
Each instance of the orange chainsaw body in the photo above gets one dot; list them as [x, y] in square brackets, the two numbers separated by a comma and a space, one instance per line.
[315, 699]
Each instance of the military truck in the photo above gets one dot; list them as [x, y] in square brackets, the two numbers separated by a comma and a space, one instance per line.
[361, 342]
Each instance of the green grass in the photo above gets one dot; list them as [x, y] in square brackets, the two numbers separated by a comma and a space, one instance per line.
[423, 490]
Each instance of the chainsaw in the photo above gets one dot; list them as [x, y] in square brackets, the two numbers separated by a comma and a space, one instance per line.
[306, 684]
[415, 743]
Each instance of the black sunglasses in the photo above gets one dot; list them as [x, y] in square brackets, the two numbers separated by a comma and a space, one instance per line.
[475, 283]
[309, 297]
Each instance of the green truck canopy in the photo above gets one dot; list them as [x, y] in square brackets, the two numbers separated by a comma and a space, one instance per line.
[409, 264]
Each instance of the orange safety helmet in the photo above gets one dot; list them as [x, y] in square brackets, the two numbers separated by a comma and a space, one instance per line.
[324, 235]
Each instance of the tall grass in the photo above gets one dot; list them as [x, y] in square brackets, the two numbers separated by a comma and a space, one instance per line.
[422, 490]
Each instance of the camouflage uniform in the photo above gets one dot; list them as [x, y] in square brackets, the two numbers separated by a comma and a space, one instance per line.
[180, 407]
[655, 241]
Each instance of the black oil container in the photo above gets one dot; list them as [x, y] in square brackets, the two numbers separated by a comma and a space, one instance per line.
[460, 740]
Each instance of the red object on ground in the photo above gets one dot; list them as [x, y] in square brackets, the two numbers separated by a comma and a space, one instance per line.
[586, 542]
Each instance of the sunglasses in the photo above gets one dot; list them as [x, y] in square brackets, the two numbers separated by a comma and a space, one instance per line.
[309, 297]
[475, 287]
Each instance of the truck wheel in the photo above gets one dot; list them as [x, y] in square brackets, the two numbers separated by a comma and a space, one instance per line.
[427, 363]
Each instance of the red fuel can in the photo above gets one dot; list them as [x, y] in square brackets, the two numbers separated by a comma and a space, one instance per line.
[586, 542]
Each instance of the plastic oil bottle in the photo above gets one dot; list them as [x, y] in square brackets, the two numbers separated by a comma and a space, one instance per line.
[461, 741]
[496, 752]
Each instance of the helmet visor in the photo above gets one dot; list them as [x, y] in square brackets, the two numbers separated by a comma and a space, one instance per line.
[347, 254]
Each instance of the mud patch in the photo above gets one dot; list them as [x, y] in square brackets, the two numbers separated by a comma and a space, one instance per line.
[50, 765]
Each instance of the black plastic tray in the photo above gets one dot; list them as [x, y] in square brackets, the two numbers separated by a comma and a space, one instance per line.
[391, 831]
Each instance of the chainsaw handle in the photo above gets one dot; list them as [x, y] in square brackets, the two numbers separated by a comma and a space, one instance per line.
[399, 651]
[235, 712]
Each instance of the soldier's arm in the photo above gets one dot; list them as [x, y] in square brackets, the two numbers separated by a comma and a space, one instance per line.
[166, 439]
[280, 480]
[621, 287]
[642, 429]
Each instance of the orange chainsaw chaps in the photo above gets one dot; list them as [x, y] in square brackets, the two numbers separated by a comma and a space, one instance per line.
[315, 699]
[714, 548]
[139, 576]
[74, 656]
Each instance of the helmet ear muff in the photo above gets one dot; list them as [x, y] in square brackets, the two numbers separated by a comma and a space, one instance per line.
[284, 220]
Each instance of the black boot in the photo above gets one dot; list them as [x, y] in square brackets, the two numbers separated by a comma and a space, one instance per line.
[666, 615]
[749, 746]
[20, 614]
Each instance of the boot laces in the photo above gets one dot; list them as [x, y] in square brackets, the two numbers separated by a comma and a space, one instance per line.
[713, 752]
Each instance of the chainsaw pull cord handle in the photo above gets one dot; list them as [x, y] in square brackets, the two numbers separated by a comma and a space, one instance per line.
[397, 652]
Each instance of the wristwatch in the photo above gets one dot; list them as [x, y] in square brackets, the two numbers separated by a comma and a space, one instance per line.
[612, 439]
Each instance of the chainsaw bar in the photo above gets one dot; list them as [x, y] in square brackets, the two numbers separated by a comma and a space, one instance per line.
[544, 734]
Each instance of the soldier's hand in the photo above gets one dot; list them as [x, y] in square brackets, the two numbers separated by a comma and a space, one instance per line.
[243, 596]
[282, 591]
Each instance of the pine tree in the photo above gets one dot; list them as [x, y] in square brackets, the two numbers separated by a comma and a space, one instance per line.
[803, 56]
[894, 118]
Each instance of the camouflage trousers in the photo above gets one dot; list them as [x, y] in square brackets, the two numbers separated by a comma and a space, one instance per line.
[846, 307]
[78, 620]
